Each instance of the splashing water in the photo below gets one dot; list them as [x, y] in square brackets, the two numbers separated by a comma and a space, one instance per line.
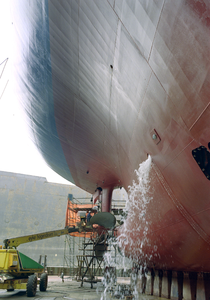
[132, 237]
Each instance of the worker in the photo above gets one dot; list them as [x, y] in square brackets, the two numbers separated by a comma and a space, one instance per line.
[62, 277]
[88, 217]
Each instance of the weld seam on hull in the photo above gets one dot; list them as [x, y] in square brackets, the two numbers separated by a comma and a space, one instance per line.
[199, 116]
[180, 207]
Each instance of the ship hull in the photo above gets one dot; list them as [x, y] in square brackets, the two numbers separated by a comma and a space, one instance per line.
[104, 84]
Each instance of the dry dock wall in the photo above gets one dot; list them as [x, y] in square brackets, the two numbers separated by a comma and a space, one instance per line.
[31, 204]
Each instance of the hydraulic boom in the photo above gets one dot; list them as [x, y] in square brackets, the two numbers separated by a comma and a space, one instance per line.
[15, 242]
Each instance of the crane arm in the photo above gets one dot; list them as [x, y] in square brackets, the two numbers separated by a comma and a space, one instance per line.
[15, 242]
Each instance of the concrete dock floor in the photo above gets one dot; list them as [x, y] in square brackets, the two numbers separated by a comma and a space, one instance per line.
[67, 290]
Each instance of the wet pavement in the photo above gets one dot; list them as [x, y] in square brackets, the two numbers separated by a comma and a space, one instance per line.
[68, 290]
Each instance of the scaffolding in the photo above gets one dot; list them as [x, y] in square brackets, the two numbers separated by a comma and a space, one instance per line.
[74, 241]
[69, 254]
[83, 253]
[90, 262]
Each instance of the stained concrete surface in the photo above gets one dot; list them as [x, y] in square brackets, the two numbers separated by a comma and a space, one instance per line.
[67, 290]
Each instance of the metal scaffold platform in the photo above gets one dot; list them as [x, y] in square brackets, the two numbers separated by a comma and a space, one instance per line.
[90, 262]
[73, 242]
[83, 253]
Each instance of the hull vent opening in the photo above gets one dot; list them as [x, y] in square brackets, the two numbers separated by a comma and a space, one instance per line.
[202, 157]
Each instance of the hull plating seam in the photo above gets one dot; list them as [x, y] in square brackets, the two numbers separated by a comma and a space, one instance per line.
[180, 207]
